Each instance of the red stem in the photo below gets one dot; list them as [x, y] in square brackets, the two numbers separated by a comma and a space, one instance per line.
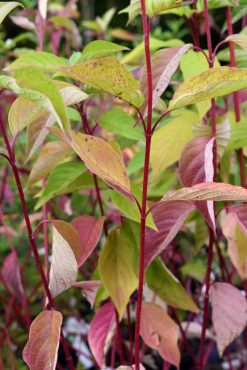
[211, 233]
[206, 301]
[148, 135]
[31, 236]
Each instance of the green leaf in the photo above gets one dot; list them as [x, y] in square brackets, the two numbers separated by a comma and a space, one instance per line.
[168, 288]
[192, 64]
[36, 59]
[137, 162]
[60, 178]
[100, 48]
[134, 10]
[211, 84]
[129, 209]
[121, 123]
[195, 269]
[116, 270]
[7, 7]
[168, 142]
[155, 7]
[108, 75]
[38, 88]
[215, 4]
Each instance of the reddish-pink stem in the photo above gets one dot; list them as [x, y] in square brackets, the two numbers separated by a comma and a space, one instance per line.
[148, 135]
[31, 236]
[211, 233]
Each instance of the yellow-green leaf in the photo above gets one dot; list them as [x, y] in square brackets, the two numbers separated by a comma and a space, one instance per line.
[158, 6]
[168, 142]
[211, 84]
[116, 270]
[101, 159]
[238, 39]
[6, 7]
[108, 75]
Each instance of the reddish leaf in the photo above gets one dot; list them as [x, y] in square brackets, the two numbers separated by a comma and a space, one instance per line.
[215, 191]
[40, 352]
[169, 218]
[164, 64]
[89, 289]
[89, 229]
[229, 313]
[241, 213]
[236, 236]
[101, 331]
[196, 166]
[12, 276]
[160, 332]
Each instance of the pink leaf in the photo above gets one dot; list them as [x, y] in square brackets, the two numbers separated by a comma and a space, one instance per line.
[89, 229]
[89, 289]
[241, 213]
[160, 332]
[164, 64]
[216, 191]
[229, 308]
[40, 352]
[196, 166]
[101, 331]
[12, 276]
[169, 218]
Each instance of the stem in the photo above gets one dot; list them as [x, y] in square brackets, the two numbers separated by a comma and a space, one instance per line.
[31, 236]
[206, 300]
[148, 135]
[236, 97]
[211, 232]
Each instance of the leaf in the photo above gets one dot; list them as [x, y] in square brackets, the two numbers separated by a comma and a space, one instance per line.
[214, 4]
[169, 218]
[11, 275]
[116, 270]
[168, 288]
[25, 112]
[7, 7]
[211, 84]
[36, 59]
[155, 44]
[43, 8]
[100, 48]
[121, 123]
[155, 7]
[229, 313]
[65, 254]
[108, 75]
[196, 166]
[168, 142]
[41, 350]
[101, 330]
[60, 178]
[164, 64]
[160, 332]
[89, 289]
[238, 39]
[43, 85]
[23, 22]
[89, 229]
[40, 90]
[50, 156]
[223, 132]
[236, 237]
[102, 160]
[193, 63]
[215, 191]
